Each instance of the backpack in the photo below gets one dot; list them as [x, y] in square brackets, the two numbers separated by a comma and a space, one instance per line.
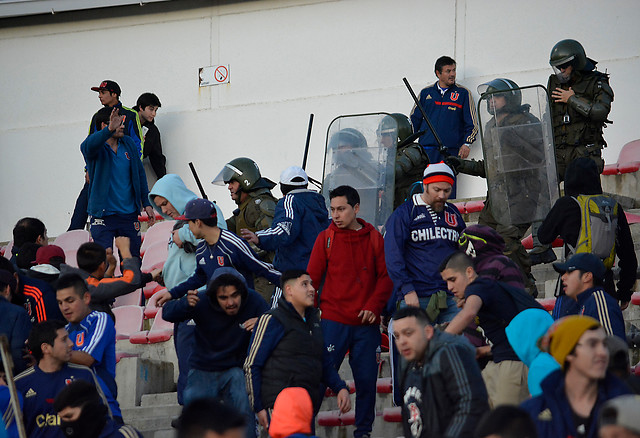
[520, 297]
[598, 225]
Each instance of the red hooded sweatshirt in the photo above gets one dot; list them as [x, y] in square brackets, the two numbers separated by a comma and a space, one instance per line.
[356, 274]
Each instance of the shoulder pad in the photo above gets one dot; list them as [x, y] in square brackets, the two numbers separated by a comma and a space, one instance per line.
[266, 205]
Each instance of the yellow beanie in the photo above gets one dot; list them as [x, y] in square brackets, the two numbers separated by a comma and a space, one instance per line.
[565, 333]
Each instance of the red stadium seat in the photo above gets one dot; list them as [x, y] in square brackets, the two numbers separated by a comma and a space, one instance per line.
[121, 354]
[132, 299]
[474, 206]
[128, 320]
[350, 386]
[151, 310]
[610, 169]
[461, 207]
[392, 415]
[151, 289]
[161, 331]
[547, 303]
[145, 218]
[383, 385]
[635, 298]
[628, 167]
[335, 418]
[527, 242]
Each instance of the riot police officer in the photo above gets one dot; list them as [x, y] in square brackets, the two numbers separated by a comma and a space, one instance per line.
[411, 159]
[580, 103]
[513, 138]
[256, 207]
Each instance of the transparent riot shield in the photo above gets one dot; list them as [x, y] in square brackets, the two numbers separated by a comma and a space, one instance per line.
[361, 152]
[517, 143]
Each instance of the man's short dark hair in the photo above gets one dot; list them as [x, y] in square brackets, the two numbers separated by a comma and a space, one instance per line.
[348, 192]
[442, 61]
[7, 265]
[417, 312]
[72, 280]
[90, 255]
[596, 280]
[206, 414]
[44, 332]
[291, 274]
[209, 221]
[27, 230]
[507, 422]
[102, 116]
[147, 99]
[26, 256]
[225, 280]
[458, 261]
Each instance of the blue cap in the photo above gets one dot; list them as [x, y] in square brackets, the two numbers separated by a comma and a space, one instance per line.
[199, 209]
[585, 262]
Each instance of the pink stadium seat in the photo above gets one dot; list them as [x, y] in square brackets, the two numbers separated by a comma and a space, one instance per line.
[632, 218]
[159, 232]
[335, 418]
[628, 167]
[128, 320]
[392, 415]
[132, 299]
[610, 169]
[635, 298]
[71, 241]
[161, 331]
[630, 152]
[7, 250]
[155, 256]
[383, 385]
[547, 303]
[474, 206]
[151, 310]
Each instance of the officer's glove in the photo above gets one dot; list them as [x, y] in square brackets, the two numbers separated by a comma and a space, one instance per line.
[454, 162]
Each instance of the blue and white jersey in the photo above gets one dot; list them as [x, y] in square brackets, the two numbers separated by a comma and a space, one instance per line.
[416, 242]
[96, 336]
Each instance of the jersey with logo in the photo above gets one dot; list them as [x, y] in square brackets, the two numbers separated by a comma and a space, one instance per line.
[39, 389]
[96, 336]
[417, 240]
[230, 251]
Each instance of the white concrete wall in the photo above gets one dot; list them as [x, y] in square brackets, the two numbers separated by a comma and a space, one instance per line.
[288, 58]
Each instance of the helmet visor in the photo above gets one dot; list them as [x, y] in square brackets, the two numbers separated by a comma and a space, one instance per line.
[228, 172]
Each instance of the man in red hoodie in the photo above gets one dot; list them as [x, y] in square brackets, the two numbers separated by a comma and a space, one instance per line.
[347, 267]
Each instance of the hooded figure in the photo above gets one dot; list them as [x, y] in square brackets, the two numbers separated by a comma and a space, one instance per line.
[180, 264]
[292, 414]
[523, 333]
[583, 178]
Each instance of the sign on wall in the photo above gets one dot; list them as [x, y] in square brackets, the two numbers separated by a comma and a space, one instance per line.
[213, 75]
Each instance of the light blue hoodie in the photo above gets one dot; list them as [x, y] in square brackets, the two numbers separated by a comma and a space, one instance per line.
[523, 333]
[179, 265]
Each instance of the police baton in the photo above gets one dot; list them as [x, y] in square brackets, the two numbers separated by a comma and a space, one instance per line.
[441, 147]
[195, 176]
[315, 182]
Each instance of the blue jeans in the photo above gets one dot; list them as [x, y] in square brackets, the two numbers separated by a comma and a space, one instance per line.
[80, 215]
[183, 339]
[228, 385]
[362, 342]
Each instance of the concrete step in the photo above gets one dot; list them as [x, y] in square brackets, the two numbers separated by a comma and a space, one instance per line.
[165, 398]
[151, 418]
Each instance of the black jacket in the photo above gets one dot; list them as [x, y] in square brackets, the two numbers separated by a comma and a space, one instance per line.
[582, 178]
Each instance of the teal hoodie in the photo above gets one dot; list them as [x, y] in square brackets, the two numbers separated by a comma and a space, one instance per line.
[179, 265]
[523, 333]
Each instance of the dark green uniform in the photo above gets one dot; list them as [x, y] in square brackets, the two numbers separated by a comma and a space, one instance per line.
[578, 124]
[256, 213]
[411, 160]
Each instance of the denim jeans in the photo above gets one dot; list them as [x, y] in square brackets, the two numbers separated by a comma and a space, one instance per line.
[228, 386]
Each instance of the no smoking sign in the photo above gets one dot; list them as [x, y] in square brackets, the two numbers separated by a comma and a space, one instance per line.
[213, 75]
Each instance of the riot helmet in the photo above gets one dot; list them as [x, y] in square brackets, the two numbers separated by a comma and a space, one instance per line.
[395, 124]
[501, 88]
[347, 138]
[568, 53]
[246, 172]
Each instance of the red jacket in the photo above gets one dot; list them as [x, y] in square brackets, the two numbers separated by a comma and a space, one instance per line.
[356, 274]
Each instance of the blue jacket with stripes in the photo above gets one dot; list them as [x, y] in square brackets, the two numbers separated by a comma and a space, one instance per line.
[598, 304]
[299, 217]
[453, 115]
